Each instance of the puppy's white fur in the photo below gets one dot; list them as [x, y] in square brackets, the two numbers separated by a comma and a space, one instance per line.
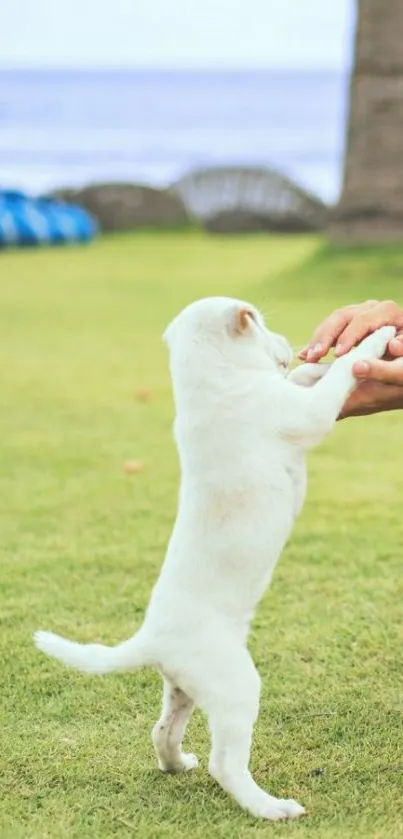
[242, 429]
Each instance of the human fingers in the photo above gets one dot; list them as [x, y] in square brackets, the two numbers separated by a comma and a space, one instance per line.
[365, 322]
[327, 333]
[395, 346]
[388, 372]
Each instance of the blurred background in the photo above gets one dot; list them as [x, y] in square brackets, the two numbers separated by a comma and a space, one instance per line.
[147, 92]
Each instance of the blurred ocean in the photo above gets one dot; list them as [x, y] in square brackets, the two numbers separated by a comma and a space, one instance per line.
[62, 128]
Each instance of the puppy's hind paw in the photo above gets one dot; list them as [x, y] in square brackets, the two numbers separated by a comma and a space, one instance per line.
[184, 764]
[276, 809]
[292, 809]
[189, 761]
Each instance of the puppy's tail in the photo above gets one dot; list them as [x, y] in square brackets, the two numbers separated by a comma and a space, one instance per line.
[95, 658]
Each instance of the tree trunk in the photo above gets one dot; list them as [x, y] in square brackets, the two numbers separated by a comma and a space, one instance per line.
[371, 205]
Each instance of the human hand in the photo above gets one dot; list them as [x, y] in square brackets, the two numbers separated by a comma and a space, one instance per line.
[348, 326]
[373, 397]
[380, 388]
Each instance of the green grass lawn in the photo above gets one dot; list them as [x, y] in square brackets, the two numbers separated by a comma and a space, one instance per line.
[82, 543]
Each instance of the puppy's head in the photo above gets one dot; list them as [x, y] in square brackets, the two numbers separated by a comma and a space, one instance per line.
[228, 330]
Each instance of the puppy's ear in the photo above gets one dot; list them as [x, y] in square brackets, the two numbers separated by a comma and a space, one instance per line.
[242, 320]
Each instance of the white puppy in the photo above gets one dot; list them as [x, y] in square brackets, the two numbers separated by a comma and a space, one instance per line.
[242, 428]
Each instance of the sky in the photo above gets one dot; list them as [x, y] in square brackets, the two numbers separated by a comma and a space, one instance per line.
[176, 33]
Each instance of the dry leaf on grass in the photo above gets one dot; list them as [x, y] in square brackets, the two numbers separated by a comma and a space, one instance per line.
[143, 395]
[131, 467]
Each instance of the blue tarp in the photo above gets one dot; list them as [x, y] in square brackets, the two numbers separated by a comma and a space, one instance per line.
[39, 221]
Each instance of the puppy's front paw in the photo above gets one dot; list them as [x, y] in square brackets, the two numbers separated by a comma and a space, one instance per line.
[375, 345]
[306, 375]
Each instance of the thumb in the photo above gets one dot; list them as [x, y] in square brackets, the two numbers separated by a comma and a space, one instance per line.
[396, 345]
[389, 372]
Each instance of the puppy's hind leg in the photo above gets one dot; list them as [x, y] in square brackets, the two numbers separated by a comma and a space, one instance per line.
[169, 731]
[232, 703]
